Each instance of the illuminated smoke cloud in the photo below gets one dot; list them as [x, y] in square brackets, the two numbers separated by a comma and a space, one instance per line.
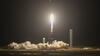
[28, 45]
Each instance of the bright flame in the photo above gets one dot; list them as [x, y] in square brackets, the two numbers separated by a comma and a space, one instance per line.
[51, 20]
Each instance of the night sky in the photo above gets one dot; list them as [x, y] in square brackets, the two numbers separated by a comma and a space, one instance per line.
[28, 20]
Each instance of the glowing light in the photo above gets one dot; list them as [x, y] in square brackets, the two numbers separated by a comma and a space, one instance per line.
[52, 21]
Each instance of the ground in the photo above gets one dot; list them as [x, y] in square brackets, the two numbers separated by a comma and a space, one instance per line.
[60, 52]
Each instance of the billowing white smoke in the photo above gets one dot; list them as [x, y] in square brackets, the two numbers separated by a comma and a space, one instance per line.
[28, 45]
[25, 45]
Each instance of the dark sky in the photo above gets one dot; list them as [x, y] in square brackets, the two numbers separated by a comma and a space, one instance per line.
[28, 20]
